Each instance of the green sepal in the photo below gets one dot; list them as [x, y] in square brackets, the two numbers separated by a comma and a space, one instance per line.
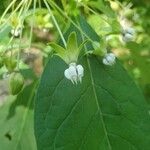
[72, 45]
[72, 51]
[61, 52]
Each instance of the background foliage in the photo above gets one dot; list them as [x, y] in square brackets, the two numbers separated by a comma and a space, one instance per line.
[17, 129]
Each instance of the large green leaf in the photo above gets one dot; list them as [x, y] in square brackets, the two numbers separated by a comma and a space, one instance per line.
[16, 122]
[106, 112]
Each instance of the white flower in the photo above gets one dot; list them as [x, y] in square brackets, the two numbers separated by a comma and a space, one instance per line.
[128, 34]
[16, 32]
[109, 59]
[130, 31]
[127, 37]
[74, 73]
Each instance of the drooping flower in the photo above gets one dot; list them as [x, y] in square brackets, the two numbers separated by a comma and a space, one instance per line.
[109, 59]
[128, 34]
[70, 55]
[74, 73]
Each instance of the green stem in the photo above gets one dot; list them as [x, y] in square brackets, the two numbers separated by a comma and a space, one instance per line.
[40, 6]
[56, 24]
[91, 10]
[6, 10]
[32, 24]
[3, 26]
[66, 16]
[24, 10]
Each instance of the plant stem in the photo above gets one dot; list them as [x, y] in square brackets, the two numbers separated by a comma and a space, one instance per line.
[3, 26]
[6, 10]
[24, 10]
[56, 24]
[67, 17]
[32, 24]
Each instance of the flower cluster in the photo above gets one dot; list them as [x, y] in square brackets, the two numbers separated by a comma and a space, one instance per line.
[74, 73]
[128, 32]
[100, 49]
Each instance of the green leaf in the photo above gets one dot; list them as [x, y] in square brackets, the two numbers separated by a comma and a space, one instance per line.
[106, 112]
[16, 123]
[4, 31]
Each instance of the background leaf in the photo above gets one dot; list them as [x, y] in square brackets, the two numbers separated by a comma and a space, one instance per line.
[17, 122]
[103, 6]
[106, 112]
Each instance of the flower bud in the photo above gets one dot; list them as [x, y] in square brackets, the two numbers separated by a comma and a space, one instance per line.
[109, 59]
[127, 37]
[128, 34]
[10, 64]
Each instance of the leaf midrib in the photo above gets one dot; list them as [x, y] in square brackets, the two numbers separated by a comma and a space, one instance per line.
[97, 103]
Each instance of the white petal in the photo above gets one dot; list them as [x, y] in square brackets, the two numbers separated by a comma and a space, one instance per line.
[67, 74]
[105, 62]
[80, 71]
[73, 73]
[130, 31]
[127, 37]
[15, 32]
[74, 79]
[12, 31]
[109, 59]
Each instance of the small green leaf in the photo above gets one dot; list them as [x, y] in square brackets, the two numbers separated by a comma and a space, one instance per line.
[60, 51]
[72, 51]
[57, 48]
